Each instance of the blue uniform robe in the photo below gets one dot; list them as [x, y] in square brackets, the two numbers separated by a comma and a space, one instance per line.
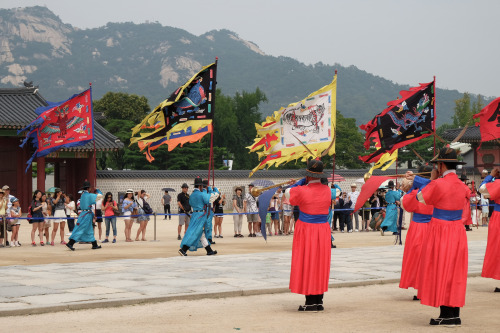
[83, 230]
[198, 201]
[391, 212]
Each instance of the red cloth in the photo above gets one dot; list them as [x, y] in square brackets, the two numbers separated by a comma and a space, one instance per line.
[489, 121]
[442, 278]
[415, 237]
[491, 265]
[311, 249]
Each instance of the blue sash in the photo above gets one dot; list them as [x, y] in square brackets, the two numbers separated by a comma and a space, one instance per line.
[497, 207]
[421, 218]
[310, 218]
[447, 215]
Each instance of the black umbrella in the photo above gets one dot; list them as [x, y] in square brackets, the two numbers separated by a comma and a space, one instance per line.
[168, 189]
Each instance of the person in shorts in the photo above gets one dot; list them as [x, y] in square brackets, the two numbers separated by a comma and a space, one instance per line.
[59, 215]
[287, 214]
[98, 215]
[15, 213]
[184, 210]
[252, 210]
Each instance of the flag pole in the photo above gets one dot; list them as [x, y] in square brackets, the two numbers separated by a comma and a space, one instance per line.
[211, 163]
[334, 138]
[435, 115]
[93, 134]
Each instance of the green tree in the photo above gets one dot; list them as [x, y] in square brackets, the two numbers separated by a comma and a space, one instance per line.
[122, 112]
[348, 145]
[119, 105]
[465, 109]
[477, 107]
[234, 125]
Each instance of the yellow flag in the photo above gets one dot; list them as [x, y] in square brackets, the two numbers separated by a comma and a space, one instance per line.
[311, 120]
[385, 161]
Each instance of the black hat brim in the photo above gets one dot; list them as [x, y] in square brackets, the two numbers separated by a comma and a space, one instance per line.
[308, 173]
[456, 162]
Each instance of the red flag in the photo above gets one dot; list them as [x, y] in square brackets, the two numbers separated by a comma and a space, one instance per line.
[368, 189]
[405, 120]
[489, 121]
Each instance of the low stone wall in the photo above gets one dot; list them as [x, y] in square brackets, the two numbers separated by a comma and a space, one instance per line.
[226, 180]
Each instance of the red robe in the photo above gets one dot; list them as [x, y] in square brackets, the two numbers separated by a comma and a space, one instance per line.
[491, 265]
[311, 249]
[442, 278]
[417, 233]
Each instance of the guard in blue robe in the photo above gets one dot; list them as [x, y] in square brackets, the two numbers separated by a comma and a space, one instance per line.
[83, 230]
[195, 233]
[390, 222]
[210, 212]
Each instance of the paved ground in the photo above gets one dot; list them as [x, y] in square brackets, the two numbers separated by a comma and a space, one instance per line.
[31, 289]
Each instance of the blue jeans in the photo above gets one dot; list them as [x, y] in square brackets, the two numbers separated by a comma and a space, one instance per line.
[111, 220]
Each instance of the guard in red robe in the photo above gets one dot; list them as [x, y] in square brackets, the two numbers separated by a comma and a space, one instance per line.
[490, 188]
[417, 232]
[442, 277]
[311, 249]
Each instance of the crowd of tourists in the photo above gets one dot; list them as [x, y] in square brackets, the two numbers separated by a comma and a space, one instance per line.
[52, 216]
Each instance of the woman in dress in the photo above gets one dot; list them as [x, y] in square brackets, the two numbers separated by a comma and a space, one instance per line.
[37, 220]
[47, 212]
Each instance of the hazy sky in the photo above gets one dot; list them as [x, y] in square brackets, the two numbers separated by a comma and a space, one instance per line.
[401, 40]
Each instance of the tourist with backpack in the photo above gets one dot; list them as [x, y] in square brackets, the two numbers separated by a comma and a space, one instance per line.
[144, 209]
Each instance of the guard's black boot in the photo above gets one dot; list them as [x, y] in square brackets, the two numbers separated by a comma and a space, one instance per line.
[310, 305]
[183, 251]
[70, 244]
[210, 241]
[497, 290]
[415, 298]
[319, 302]
[95, 246]
[447, 317]
[210, 252]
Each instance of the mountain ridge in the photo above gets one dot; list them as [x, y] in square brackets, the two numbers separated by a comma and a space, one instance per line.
[153, 60]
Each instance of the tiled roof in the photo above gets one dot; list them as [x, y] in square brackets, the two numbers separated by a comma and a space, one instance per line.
[17, 110]
[471, 135]
[17, 106]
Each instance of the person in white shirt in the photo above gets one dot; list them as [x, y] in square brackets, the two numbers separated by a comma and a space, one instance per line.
[353, 197]
[98, 215]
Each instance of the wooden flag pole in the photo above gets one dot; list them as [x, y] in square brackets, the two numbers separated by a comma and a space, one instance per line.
[334, 138]
[93, 134]
[211, 164]
[435, 115]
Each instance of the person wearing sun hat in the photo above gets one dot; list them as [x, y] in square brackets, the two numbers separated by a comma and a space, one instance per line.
[83, 230]
[311, 249]
[442, 277]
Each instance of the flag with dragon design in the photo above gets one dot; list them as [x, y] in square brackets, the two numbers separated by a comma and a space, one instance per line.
[186, 116]
[405, 120]
[61, 125]
[302, 128]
